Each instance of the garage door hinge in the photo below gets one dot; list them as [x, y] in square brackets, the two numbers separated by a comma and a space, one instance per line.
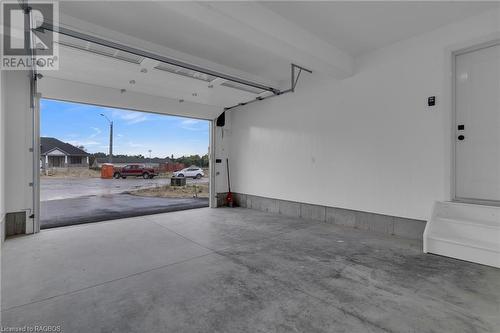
[31, 150]
[32, 216]
[30, 184]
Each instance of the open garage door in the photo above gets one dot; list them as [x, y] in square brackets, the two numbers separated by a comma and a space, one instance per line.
[103, 74]
[90, 72]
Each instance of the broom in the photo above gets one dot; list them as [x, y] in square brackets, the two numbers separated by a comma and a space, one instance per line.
[229, 198]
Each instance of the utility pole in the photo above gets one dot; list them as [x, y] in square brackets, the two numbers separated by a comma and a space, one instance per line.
[110, 142]
[110, 138]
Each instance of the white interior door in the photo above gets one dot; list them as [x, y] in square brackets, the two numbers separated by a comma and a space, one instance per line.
[477, 128]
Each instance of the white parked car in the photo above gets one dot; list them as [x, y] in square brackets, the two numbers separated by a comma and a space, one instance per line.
[192, 172]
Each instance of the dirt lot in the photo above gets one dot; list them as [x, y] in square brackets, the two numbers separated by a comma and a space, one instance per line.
[71, 173]
[199, 190]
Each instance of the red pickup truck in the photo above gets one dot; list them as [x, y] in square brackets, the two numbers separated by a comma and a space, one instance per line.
[134, 170]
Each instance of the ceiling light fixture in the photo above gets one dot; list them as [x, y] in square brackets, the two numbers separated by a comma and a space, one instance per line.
[131, 81]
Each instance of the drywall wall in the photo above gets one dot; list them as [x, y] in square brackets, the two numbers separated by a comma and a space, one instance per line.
[367, 143]
[18, 140]
[221, 139]
[2, 156]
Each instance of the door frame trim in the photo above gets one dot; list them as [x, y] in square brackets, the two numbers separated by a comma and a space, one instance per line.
[36, 161]
[472, 47]
[212, 193]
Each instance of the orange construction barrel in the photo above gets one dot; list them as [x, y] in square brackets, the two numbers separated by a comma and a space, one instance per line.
[107, 171]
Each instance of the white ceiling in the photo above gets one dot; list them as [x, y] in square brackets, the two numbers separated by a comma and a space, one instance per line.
[360, 27]
[259, 39]
[155, 23]
[356, 26]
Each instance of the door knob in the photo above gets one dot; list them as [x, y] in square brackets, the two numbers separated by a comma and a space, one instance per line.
[461, 137]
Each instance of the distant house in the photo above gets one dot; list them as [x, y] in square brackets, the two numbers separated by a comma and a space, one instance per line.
[57, 154]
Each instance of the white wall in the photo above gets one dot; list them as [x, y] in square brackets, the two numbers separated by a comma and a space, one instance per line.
[366, 143]
[222, 137]
[2, 156]
[18, 139]
[2, 168]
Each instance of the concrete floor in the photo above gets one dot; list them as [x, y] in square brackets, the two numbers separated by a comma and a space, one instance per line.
[238, 270]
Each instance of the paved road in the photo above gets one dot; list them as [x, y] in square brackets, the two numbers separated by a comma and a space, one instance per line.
[65, 188]
[64, 212]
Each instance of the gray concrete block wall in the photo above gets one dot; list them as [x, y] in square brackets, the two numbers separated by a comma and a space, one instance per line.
[240, 200]
[391, 225]
[15, 223]
[289, 208]
[409, 228]
[341, 216]
[221, 199]
[312, 212]
[264, 204]
[2, 228]
[374, 222]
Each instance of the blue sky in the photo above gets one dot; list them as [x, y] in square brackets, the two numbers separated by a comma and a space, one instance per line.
[134, 132]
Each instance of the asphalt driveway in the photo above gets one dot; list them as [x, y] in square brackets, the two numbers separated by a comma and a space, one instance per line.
[70, 201]
[64, 212]
[65, 188]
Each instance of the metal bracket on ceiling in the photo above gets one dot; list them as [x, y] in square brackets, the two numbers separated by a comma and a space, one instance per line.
[295, 76]
[295, 71]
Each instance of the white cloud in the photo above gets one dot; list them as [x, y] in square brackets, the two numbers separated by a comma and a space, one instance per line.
[84, 143]
[136, 145]
[91, 140]
[96, 130]
[130, 117]
[192, 125]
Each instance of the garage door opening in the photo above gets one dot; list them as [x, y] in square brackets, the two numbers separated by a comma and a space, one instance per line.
[131, 84]
[99, 163]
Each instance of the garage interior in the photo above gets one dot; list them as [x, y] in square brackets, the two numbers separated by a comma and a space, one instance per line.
[364, 150]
